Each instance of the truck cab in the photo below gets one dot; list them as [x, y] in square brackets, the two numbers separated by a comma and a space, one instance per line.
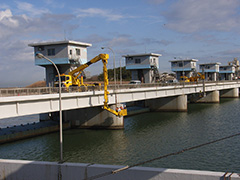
[66, 81]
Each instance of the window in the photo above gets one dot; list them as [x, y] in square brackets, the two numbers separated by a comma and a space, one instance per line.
[70, 52]
[180, 64]
[51, 52]
[40, 48]
[174, 64]
[78, 52]
[137, 61]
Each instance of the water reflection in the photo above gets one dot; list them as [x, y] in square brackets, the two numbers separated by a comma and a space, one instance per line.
[147, 136]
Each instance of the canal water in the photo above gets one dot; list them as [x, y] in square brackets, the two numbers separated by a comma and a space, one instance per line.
[147, 136]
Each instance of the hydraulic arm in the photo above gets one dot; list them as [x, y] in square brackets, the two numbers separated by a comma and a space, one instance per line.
[72, 80]
[121, 111]
[76, 72]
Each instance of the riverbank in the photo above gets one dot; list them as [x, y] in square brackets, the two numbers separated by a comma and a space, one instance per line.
[15, 133]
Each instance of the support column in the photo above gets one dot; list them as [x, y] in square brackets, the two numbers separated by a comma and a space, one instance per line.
[174, 103]
[211, 97]
[230, 93]
[94, 117]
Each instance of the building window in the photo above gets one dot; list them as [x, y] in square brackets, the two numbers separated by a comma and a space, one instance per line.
[180, 64]
[154, 60]
[78, 52]
[51, 52]
[40, 48]
[70, 52]
[174, 64]
[137, 61]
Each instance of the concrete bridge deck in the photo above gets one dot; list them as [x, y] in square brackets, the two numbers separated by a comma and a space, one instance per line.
[35, 104]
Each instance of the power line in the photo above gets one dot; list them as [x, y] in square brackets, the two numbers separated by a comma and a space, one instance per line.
[160, 157]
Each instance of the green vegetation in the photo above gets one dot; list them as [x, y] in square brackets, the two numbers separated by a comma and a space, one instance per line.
[126, 75]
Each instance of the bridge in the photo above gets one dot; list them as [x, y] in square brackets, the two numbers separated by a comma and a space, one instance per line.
[84, 108]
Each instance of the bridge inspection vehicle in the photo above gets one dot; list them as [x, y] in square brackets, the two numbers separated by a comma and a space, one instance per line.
[71, 79]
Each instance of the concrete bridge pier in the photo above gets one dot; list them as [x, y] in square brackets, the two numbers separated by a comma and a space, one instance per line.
[209, 97]
[93, 117]
[172, 103]
[230, 93]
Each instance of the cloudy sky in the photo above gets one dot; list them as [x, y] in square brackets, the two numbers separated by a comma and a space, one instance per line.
[207, 30]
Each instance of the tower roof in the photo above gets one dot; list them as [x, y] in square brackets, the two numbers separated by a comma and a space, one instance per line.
[60, 42]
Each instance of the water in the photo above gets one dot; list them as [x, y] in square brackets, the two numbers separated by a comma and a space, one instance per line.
[18, 120]
[147, 136]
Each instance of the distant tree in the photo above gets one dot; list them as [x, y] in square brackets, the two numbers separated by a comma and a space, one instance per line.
[126, 74]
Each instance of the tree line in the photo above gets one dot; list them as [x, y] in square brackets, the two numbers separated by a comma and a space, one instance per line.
[126, 74]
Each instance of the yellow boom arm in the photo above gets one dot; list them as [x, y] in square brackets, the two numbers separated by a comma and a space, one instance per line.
[76, 72]
[123, 112]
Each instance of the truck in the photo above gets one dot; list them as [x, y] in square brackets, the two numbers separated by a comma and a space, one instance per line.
[71, 79]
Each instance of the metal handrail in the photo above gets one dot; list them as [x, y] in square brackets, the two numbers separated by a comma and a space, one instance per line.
[6, 92]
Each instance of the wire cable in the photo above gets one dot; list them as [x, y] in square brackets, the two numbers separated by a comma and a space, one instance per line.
[160, 157]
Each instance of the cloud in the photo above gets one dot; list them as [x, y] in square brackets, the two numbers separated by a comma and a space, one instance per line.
[54, 4]
[16, 32]
[12, 26]
[155, 41]
[190, 16]
[28, 8]
[156, 1]
[4, 6]
[231, 52]
[122, 40]
[95, 38]
[96, 12]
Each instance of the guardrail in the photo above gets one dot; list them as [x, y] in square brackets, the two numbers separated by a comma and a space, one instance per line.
[6, 92]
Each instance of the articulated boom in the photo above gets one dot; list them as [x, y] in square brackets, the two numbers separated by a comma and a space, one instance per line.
[122, 112]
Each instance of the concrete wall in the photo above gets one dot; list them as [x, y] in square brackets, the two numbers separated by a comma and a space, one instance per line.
[209, 67]
[230, 93]
[180, 65]
[210, 97]
[82, 58]
[29, 170]
[173, 103]
[60, 57]
[93, 117]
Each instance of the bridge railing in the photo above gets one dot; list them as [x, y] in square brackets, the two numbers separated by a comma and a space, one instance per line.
[5, 92]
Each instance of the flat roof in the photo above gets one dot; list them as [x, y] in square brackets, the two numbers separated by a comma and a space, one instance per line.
[60, 42]
[195, 60]
[209, 63]
[228, 65]
[146, 54]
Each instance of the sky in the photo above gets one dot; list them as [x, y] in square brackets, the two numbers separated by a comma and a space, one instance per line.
[207, 30]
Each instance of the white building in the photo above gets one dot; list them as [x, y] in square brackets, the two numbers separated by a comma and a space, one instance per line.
[185, 67]
[211, 70]
[66, 55]
[227, 72]
[143, 67]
